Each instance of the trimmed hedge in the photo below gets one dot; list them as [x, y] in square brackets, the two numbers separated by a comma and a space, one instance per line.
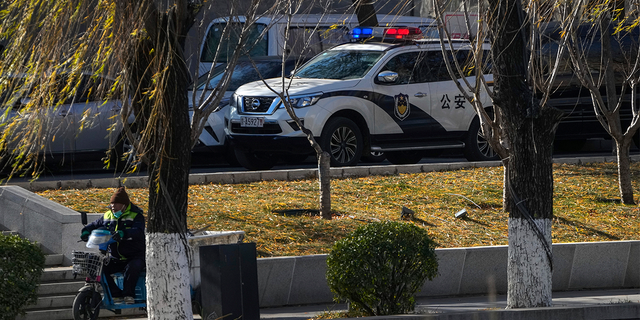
[21, 265]
[379, 267]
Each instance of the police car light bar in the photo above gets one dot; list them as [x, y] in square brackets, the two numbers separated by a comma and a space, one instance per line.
[385, 33]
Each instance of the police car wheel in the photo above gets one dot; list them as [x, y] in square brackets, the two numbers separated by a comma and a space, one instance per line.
[342, 139]
[405, 157]
[256, 160]
[476, 147]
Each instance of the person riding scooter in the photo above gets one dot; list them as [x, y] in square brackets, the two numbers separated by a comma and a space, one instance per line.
[126, 223]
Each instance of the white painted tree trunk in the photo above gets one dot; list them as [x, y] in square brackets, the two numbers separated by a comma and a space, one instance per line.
[528, 268]
[168, 289]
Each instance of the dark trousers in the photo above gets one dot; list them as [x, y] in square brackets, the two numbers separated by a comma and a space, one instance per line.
[131, 269]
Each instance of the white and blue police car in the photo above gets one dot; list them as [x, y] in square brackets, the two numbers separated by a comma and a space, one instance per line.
[371, 95]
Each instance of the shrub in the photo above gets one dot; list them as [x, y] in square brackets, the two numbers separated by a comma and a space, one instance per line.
[380, 266]
[21, 265]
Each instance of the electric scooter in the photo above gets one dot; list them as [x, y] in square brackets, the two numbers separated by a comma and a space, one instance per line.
[95, 294]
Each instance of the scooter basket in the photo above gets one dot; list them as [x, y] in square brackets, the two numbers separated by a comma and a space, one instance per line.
[87, 263]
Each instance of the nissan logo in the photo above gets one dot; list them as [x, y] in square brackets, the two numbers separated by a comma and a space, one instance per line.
[254, 105]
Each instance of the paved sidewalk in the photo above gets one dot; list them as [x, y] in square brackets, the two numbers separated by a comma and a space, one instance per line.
[572, 305]
[615, 304]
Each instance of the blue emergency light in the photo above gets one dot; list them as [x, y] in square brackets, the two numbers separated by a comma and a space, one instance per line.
[361, 32]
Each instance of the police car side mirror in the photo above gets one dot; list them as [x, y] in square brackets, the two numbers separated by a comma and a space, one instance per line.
[387, 77]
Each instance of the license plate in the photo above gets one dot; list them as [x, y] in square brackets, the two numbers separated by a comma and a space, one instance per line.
[255, 122]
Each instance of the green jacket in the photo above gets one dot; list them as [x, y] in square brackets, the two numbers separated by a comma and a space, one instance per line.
[132, 223]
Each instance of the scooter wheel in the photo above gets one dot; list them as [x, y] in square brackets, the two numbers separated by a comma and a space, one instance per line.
[86, 305]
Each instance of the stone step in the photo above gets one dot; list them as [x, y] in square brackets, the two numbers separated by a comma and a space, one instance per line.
[52, 302]
[54, 274]
[65, 314]
[60, 288]
[53, 260]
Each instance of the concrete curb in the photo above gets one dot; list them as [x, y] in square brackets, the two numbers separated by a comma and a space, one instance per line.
[284, 175]
[613, 311]
[577, 304]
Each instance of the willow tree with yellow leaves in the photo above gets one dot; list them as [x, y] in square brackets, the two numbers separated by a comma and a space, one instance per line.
[133, 52]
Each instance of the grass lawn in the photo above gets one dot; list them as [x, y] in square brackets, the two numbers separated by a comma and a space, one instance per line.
[586, 207]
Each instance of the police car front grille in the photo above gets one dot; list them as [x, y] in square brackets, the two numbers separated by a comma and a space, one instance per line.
[268, 128]
[256, 104]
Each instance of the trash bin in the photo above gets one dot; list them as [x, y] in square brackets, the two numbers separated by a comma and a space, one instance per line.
[229, 281]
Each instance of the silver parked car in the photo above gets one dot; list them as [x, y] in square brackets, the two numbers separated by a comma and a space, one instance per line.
[82, 127]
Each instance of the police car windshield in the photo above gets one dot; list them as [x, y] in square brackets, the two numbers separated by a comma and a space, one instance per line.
[340, 64]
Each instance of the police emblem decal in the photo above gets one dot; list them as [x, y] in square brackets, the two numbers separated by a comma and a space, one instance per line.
[402, 106]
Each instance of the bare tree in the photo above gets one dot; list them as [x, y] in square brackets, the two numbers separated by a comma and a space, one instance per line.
[603, 48]
[366, 15]
[282, 92]
[520, 126]
[137, 46]
[290, 9]
[323, 157]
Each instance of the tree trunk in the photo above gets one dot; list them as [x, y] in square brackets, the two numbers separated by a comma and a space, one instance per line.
[621, 149]
[168, 294]
[324, 177]
[529, 276]
[168, 273]
[624, 172]
[168, 270]
[529, 193]
[167, 219]
[165, 125]
[530, 131]
[324, 165]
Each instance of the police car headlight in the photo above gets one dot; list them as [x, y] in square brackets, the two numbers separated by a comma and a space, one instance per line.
[305, 101]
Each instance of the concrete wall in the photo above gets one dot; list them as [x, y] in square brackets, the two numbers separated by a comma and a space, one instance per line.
[55, 227]
[463, 271]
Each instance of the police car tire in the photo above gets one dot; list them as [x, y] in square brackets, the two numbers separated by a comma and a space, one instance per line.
[476, 148]
[346, 154]
[405, 157]
[256, 160]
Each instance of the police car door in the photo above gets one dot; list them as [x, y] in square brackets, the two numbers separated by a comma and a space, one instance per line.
[402, 118]
[448, 106]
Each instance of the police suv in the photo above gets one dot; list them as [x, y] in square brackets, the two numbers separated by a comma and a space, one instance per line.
[371, 95]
